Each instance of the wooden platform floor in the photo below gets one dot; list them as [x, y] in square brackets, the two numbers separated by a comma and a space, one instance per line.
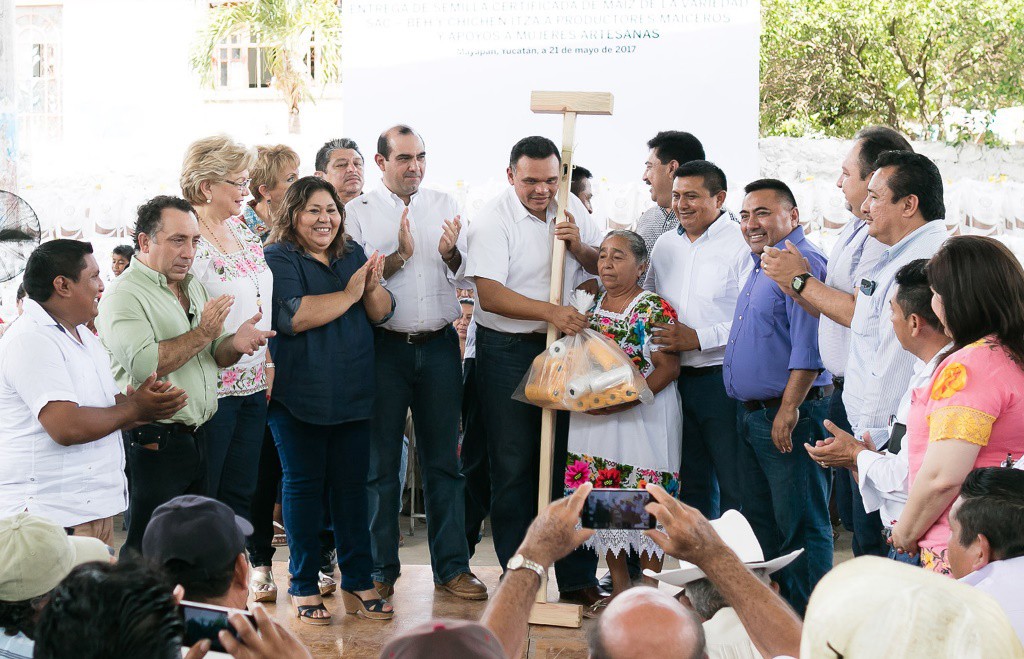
[416, 601]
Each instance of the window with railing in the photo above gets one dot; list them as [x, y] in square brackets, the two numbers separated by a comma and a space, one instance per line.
[38, 72]
[241, 62]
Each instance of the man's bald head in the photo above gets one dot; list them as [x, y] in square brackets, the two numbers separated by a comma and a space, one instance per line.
[643, 616]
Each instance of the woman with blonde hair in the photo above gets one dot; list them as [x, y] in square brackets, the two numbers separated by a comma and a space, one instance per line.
[276, 168]
[229, 261]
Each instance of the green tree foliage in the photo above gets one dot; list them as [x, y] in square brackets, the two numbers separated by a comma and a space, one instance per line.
[296, 35]
[834, 66]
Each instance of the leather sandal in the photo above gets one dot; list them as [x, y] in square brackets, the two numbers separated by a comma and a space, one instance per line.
[327, 584]
[305, 612]
[597, 608]
[369, 609]
[280, 537]
[262, 585]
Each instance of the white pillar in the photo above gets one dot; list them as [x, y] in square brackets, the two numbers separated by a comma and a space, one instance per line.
[8, 100]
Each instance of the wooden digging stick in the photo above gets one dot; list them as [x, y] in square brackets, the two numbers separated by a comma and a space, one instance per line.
[568, 104]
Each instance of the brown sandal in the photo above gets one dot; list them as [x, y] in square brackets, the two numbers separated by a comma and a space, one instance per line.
[305, 613]
[369, 609]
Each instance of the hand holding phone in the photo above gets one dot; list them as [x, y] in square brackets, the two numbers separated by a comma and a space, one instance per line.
[205, 621]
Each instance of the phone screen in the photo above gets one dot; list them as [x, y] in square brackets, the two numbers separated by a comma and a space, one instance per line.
[206, 621]
[617, 509]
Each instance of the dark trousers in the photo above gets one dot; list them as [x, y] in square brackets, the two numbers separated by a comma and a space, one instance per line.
[709, 474]
[313, 457]
[473, 457]
[840, 483]
[176, 466]
[867, 527]
[785, 497]
[234, 439]
[513, 452]
[268, 486]
[427, 378]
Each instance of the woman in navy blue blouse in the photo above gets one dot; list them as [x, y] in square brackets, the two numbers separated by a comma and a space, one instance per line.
[327, 296]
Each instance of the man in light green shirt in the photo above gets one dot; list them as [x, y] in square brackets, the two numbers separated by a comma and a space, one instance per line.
[157, 318]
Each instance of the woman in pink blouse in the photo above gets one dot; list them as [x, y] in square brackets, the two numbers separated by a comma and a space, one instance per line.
[972, 413]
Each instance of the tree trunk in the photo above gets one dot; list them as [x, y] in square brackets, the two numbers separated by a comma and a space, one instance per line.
[294, 121]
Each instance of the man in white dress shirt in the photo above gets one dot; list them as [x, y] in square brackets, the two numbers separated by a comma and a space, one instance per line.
[510, 245]
[700, 268]
[418, 361]
[61, 414]
[853, 257]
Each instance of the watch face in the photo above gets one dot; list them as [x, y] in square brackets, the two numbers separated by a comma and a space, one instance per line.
[516, 562]
[798, 282]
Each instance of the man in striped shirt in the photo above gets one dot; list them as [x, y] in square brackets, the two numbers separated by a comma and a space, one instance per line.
[669, 150]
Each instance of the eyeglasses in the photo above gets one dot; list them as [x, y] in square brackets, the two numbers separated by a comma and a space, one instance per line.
[241, 185]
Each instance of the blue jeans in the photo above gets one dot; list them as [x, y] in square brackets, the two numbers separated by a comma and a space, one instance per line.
[234, 441]
[867, 527]
[426, 377]
[904, 558]
[840, 483]
[313, 457]
[710, 448]
[785, 497]
[513, 452]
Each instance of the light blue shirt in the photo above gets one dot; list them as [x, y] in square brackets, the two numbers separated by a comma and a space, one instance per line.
[1002, 580]
[854, 254]
[879, 369]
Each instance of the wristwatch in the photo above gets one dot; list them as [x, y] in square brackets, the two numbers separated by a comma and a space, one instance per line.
[799, 282]
[520, 562]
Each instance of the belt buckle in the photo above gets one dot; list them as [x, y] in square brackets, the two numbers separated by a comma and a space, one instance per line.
[409, 338]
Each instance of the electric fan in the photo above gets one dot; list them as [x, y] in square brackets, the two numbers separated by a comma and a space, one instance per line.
[19, 234]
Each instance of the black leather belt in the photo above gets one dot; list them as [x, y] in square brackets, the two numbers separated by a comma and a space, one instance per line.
[533, 337]
[838, 381]
[696, 371]
[181, 427]
[416, 338]
[814, 393]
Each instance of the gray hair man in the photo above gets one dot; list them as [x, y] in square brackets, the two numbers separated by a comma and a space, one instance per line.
[340, 163]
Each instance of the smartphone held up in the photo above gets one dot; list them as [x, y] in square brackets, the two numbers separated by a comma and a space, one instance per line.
[617, 509]
[206, 621]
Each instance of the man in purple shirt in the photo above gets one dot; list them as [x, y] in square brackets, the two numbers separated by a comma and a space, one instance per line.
[773, 368]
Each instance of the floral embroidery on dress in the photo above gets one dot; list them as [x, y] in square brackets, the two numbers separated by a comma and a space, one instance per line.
[247, 264]
[609, 474]
[952, 379]
[936, 562]
[960, 422]
[629, 329]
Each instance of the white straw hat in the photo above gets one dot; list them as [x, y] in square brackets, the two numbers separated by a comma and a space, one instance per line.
[735, 531]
